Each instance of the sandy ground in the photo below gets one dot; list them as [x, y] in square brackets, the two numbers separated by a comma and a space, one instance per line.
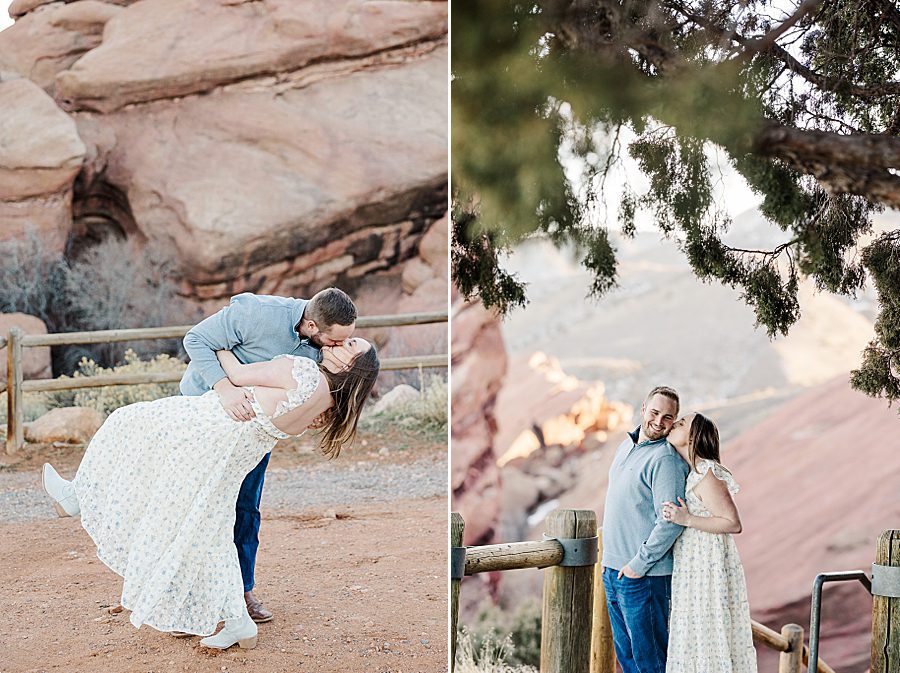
[355, 584]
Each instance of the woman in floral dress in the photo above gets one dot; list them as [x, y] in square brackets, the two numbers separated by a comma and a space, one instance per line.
[157, 486]
[709, 624]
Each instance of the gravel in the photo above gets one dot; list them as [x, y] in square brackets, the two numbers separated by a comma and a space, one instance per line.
[329, 484]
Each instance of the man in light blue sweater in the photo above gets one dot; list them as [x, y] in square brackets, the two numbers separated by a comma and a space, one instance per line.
[637, 540]
[257, 328]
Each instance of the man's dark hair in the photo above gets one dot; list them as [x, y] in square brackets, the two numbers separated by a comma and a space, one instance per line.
[665, 391]
[330, 307]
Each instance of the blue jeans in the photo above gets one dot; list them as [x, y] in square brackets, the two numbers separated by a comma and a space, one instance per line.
[246, 521]
[639, 615]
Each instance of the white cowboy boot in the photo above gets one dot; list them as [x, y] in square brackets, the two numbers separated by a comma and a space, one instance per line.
[63, 492]
[242, 631]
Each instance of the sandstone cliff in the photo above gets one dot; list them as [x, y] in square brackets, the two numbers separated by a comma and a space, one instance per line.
[275, 146]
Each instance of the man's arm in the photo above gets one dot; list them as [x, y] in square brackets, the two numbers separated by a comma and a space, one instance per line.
[667, 484]
[221, 331]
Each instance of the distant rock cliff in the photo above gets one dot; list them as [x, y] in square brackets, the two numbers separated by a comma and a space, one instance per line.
[478, 360]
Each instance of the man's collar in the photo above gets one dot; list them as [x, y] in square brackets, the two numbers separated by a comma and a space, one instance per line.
[299, 309]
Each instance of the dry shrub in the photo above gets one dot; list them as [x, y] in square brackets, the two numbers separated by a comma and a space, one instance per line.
[486, 654]
[522, 645]
[116, 284]
[33, 281]
[428, 412]
[109, 398]
[34, 405]
[119, 285]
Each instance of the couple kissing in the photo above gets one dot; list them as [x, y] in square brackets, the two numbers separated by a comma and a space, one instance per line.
[674, 583]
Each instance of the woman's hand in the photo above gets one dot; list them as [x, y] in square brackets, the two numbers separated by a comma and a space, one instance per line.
[675, 514]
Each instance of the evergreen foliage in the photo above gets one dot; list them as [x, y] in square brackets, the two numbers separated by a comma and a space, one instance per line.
[805, 105]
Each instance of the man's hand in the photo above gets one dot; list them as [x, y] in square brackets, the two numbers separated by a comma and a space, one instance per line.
[628, 572]
[235, 401]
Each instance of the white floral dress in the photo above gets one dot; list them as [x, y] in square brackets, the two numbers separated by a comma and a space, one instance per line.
[709, 625]
[157, 489]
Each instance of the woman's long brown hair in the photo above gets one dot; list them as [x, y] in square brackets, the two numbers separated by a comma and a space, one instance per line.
[349, 389]
[703, 440]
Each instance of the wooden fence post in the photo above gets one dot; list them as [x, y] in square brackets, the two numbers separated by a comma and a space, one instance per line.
[568, 599]
[790, 661]
[886, 610]
[457, 525]
[15, 438]
[603, 652]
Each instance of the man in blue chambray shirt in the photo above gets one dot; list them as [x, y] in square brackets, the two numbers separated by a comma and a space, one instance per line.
[637, 540]
[257, 328]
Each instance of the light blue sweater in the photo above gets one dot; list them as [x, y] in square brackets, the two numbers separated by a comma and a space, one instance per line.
[254, 327]
[642, 477]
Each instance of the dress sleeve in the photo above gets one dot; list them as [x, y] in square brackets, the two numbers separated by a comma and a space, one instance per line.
[719, 473]
[306, 376]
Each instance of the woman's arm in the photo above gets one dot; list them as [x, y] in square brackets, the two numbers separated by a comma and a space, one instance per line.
[717, 499]
[272, 373]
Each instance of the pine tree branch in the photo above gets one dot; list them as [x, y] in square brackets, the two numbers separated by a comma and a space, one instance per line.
[763, 43]
[765, 46]
[851, 164]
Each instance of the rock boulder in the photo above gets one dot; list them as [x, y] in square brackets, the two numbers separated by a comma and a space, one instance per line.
[72, 425]
[478, 359]
[396, 396]
[35, 360]
[44, 43]
[146, 55]
[284, 191]
[40, 155]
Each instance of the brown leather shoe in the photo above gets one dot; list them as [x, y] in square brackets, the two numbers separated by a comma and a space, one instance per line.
[257, 612]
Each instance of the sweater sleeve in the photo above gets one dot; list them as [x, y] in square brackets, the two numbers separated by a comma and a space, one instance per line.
[221, 331]
[667, 480]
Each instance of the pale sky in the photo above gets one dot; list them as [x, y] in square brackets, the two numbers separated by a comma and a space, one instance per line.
[4, 15]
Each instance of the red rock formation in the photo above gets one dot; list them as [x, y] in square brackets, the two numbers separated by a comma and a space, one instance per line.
[146, 56]
[43, 43]
[544, 406]
[400, 291]
[278, 146]
[40, 155]
[478, 359]
[820, 482]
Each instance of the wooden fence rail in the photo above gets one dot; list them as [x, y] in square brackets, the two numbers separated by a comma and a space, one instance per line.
[576, 636]
[16, 385]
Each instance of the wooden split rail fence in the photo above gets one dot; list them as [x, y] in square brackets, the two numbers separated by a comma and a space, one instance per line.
[17, 341]
[576, 636]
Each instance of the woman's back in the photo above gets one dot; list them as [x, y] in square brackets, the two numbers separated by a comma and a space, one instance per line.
[297, 395]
